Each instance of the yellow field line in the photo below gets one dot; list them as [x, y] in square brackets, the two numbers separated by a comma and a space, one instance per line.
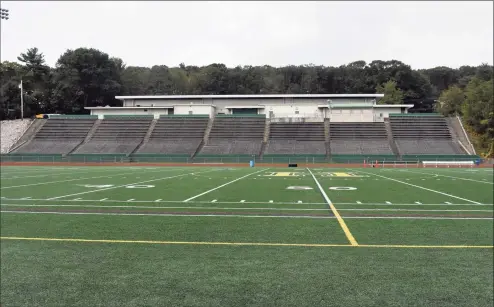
[341, 221]
[241, 243]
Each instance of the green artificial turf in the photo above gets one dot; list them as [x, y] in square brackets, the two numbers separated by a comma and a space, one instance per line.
[382, 208]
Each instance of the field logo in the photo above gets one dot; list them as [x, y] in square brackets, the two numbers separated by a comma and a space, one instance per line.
[283, 174]
[299, 188]
[97, 186]
[341, 175]
[342, 188]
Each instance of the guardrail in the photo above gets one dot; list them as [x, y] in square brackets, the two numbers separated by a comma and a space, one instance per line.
[225, 159]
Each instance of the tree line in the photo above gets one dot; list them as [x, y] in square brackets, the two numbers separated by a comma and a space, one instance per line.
[88, 77]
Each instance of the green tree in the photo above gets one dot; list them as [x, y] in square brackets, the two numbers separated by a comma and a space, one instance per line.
[85, 78]
[478, 111]
[451, 101]
[392, 94]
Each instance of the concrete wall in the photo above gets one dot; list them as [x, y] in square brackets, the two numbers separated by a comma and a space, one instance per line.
[111, 111]
[193, 110]
[351, 115]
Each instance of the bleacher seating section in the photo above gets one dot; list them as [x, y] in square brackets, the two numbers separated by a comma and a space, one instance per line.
[176, 135]
[296, 139]
[238, 138]
[235, 135]
[58, 136]
[359, 138]
[117, 135]
[421, 134]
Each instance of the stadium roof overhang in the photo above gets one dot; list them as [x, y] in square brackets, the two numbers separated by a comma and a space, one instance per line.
[393, 106]
[126, 108]
[327, 96]
[245, 107]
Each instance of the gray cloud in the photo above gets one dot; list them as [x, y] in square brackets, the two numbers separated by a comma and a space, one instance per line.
[422, 34]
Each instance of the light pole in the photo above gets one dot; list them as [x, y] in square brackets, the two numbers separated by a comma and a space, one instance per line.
[4, 14]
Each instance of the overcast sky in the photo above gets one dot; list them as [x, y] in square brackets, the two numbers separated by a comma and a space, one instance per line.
[421, 34]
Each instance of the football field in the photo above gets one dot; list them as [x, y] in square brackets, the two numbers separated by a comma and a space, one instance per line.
[219, 236]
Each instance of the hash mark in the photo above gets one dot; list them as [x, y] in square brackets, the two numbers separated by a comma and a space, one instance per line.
[270, 201]
[76, 199]
[214, 200]
[418, 203]
[299, 202]
[242, 201]
[448, 203]
[359, 202]
[389, 203]
[130, 199]
[158, 199]
[103, 199]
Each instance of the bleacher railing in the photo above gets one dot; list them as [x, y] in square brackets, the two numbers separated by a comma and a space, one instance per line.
[122, 158]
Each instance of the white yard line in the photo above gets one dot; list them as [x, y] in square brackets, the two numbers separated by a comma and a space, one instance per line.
[342, 223]
[420, 187]
[244, 208]
[225, 184]
[467, 179]
[161, 207]
[58, 181]
[245, 202]
[249, 216]
[172, 215]
[66, 172]
[124, 185]
[48, 174]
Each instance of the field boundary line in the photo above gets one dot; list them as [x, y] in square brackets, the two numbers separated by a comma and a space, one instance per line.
[420, 187]
[48, 173]
[225, 184]
[342, 223]
[243, 208]
[242, 243]
[68, 180]
[247, 216]
[236, 202]
[124, 185]
[468, 179]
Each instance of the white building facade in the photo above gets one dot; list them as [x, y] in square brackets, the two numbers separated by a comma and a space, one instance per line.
[293, 107]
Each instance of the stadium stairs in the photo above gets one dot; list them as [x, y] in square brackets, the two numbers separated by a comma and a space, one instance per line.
[29, 134]
[58, 135]
[389, 134]
[88, 136]
[459, 134]
[147, 136]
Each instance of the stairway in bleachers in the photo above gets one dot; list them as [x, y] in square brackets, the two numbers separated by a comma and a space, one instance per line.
[58, 136]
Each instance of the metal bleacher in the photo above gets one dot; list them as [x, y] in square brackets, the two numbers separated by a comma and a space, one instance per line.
[359, 138]
[423, 134]
[58, 136]
[296, 139]
[176, 135]
[115, 135]
[235, 135]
